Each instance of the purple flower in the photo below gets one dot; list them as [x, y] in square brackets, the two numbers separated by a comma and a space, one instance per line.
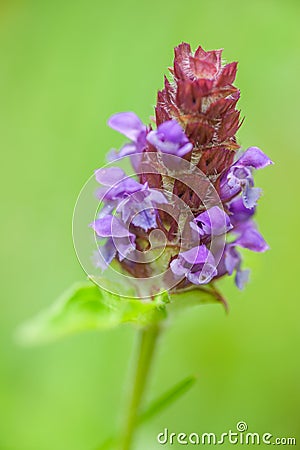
[239, 213]
[118, 239]
[249, 237]
[196, 123]
[246, 236]
[233, 262]
[213, 221]
[140, 209]
[170, 138]
[134, 202]
[197, 265]
[239, 177]
[117, 185]
[131, 126]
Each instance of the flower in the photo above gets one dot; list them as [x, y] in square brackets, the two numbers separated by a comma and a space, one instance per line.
[130, 198]
[197, 265]
[126, 204]
[238, 212]
[191, 185]
[170, 138]
[238, 178]
[118, 239]
[233, 262]
[117, 185]
[129, 124]
[213, 221]
[246, 236]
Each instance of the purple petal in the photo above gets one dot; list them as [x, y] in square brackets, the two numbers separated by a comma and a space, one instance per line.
[229, 186]
[107, 208]
[187, 263]
[232, 259]
[239, 176]
[221, 268]
[109, 176]
[127, 123]
[196, 255]
[213, 221]
[241, 277]
[203, 276]
[119, 184]
[145, 219]
[170, 138]
[127, 186]
[240, 173]
[254, 157]
[250, 238]
[250, 196]
[172, 131]
[104, 255]
[239, 212]
[177, 267]
[196, 228]
[138, 208]
[124, 246]
[102, 226]
[132, 149]
[184, 149]
[110, 226]
[128, 149]
[158, 141]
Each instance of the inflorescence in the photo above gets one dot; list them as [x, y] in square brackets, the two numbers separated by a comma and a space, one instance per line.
[191, 194]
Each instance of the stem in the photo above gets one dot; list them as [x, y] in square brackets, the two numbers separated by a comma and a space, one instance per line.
[146, 345]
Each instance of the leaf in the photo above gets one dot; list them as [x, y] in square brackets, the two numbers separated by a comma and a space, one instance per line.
[157, 406]
[195, 296]
[167, 398]
[86, 307]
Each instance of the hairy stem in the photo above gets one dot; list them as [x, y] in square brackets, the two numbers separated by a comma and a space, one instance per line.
[146, 344]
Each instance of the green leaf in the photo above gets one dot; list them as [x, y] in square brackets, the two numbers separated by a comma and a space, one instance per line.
[167, 398]
[86, 307]
[157, 406]
[194, 296]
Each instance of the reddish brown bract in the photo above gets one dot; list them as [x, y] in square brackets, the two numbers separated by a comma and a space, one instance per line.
[203, 100]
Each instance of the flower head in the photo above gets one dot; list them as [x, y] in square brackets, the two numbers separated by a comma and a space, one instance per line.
[191, 194]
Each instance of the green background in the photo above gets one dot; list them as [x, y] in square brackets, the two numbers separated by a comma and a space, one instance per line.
[65, 68]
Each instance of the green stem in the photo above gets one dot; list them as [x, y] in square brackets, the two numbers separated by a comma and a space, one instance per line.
[146, 345]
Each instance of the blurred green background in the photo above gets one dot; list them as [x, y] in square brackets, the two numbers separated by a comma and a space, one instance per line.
[65, 68]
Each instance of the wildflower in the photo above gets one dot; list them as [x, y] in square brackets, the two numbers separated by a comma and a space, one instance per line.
[239, 177]
[118, 239]
[170, 138]
[214, 221]
[131, 126]
[192, 181]
[197, 264]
